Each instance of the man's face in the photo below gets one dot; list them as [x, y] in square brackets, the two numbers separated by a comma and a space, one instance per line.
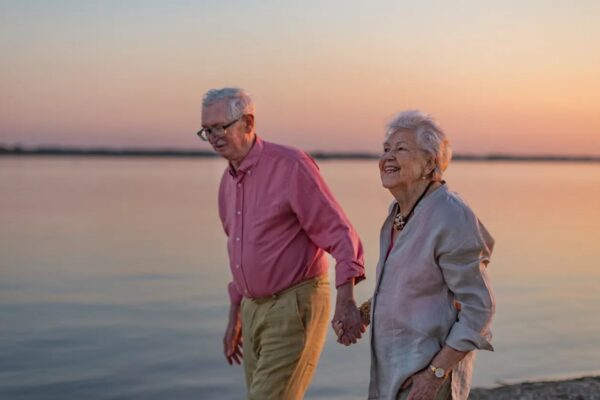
[233, 145]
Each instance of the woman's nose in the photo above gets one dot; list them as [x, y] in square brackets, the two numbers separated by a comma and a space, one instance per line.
[387, 155]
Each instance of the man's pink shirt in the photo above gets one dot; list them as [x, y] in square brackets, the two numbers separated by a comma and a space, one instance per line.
[280, 218]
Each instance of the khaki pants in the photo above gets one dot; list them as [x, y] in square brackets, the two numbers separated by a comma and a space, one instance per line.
[283, 337]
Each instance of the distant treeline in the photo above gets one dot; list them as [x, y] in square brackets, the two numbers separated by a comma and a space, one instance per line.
[104, 152]
[107, 152]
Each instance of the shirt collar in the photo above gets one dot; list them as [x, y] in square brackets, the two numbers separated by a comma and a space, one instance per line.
[251, 158]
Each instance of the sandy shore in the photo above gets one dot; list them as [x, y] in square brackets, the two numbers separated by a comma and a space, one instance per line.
[587, 388]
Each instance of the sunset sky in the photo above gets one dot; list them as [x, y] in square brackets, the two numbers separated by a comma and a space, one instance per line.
[500, 77]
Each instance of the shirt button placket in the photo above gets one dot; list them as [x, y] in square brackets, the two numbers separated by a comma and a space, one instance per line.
[239, 203]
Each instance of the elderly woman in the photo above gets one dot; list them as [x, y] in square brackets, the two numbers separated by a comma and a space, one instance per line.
[432, 304]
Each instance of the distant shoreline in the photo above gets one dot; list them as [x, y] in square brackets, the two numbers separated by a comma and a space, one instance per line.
[578, 388]
[320, 155]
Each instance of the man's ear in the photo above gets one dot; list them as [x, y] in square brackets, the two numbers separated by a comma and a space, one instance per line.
[249, 121]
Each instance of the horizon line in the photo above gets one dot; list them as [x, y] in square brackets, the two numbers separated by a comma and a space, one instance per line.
[18, 150]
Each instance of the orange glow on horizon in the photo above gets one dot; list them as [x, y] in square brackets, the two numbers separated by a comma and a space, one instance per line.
[500, 78]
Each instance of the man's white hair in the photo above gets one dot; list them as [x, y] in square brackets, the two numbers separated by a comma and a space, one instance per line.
[239, 100]
[429, 136]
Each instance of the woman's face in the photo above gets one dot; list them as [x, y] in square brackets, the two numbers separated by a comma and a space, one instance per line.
[402, 163]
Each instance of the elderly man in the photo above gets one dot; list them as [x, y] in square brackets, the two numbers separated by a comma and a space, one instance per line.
[280, 218]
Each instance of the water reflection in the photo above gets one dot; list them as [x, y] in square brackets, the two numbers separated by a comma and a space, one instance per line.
[114, 273]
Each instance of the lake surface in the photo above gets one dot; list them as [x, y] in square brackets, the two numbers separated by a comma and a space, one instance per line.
[113, 275]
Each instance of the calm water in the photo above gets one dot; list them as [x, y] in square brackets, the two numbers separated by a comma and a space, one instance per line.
[113, 275]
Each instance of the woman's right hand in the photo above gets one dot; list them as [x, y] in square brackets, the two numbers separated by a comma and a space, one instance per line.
[338, 328]
[365, 312]
[365, 315]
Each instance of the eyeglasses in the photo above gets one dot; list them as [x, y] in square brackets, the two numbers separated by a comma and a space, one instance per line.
[216, 131]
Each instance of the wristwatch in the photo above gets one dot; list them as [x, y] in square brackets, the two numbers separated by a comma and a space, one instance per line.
[439, 372]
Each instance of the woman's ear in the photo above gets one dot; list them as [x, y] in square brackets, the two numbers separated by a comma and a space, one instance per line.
[429, 166]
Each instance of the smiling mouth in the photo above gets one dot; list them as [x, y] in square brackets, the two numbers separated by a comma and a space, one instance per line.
[390, 169]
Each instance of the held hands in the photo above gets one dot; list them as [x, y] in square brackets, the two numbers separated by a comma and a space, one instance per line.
[351, 328]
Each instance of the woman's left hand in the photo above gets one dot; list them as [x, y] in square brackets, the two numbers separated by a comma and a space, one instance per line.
[423, 385]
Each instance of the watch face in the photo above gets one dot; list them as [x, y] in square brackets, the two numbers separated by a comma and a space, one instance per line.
[439, 372]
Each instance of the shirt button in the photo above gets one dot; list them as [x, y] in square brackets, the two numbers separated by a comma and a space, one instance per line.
[239, 213]
[237, 265]
[237, 239]
[246, 291]
[239, 185]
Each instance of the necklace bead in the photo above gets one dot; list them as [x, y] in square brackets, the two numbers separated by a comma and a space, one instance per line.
[400, 221]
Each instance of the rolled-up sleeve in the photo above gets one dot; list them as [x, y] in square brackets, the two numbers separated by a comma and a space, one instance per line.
[464, 266]
[323, 220]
